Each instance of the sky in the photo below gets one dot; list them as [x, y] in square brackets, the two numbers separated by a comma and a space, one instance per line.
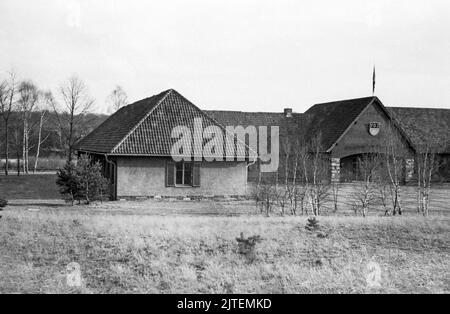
[247, 55]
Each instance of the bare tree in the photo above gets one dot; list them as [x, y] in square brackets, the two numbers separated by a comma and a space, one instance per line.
[18, 142]
[394, 158]
[8, 92]
[45, 101]
[319, 175]
[427, 164]
[335, 189]
[117, 99]
[283, 193]
[76, 102]
[299, 178]
[267, 197]
[366, 193]
[382, 184]
[28, 97]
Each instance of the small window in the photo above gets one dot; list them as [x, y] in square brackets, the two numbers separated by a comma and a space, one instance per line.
[182, 174]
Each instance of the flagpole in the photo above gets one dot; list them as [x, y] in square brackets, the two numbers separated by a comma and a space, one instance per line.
[373, 81]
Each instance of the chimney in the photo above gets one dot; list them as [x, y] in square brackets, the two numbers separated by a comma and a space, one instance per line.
[288, 112]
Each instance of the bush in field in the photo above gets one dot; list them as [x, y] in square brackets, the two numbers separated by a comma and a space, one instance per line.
[312, 224]
[92, 184]
[82, 181]
[67, 182]
[266, 197]
[247, 246]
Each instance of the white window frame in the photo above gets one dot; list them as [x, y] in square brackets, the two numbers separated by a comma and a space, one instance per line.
[183, 172]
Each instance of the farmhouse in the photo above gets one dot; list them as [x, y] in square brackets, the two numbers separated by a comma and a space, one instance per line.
[351, 128]
[136, 143]
[135, 147]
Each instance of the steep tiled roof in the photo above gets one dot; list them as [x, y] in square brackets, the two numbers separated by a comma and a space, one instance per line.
[333, 118]
[425, 126]
[144, 128]
[107, 135]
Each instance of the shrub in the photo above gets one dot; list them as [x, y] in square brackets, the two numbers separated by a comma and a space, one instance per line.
[82, 181]
[247, 246]
[265, 197]
[67, 182]
[92, 184]
[312, 224]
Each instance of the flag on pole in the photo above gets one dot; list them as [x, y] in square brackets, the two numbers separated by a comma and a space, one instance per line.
[373, 81]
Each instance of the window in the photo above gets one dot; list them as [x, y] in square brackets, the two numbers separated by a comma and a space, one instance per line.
[181, 174]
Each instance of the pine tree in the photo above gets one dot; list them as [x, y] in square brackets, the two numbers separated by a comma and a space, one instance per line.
[83, 181]
[67, 182]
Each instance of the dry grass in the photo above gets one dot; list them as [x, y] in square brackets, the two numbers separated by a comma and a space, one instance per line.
[127, 250]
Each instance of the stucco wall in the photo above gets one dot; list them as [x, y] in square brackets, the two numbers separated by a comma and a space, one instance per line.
[358, 140]
[145, 176]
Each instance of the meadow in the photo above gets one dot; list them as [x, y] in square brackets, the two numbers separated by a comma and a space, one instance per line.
[126, 250]
[174, 246]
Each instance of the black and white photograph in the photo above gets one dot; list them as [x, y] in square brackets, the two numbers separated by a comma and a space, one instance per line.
[223, 153]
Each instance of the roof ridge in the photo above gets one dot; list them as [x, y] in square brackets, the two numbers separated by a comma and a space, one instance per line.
[425, 108]
[260, 112]
[167, 93]
[342, 100]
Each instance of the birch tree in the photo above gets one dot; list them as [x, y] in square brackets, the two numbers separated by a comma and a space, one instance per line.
[394, 158]
[319, 181]
[45, 101]
[366, 192]
[283, 193]
[28, 98]
[427, 164]
[300, 177]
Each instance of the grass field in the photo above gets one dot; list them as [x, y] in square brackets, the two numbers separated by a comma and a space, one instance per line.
[173, 246]
[123, 248]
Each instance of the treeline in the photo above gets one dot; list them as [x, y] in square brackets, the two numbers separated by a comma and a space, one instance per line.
[37, 123]
[53, 143]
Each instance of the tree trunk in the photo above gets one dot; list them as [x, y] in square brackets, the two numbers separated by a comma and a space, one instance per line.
[419, 190]
[70, 134]
[23, 146]
[18, 159]
[6, 147]
[294, 200]
[39, 142]
[87, 192]
[27, 148]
